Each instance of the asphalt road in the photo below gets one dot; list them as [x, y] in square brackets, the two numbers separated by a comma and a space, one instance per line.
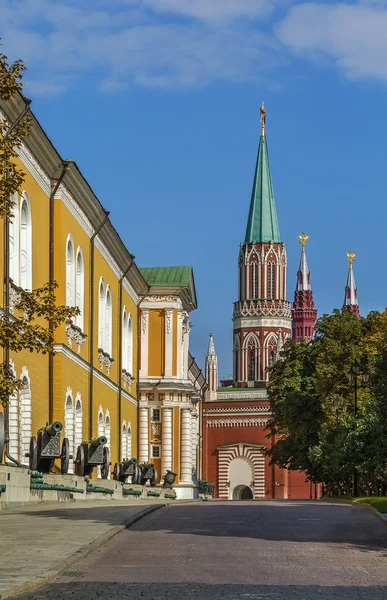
[268, 550]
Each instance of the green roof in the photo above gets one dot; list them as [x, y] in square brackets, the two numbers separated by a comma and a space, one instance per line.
[167, 276]
[262, 225]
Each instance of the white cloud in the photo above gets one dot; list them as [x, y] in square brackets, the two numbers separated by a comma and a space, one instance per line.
[215, 9]
[352, 37]
[126, 42]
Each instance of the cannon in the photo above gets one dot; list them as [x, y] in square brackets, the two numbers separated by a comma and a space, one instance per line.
[148, 473]
[46, 448]
[127, 468]
[92, 454]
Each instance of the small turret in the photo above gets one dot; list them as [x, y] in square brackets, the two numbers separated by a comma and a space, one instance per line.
[304, 312]
[212, 375]
[350, 299]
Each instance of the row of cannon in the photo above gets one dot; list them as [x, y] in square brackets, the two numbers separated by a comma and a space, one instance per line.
[46, 447]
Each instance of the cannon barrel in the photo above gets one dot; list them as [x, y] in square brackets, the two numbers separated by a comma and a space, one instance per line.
[99, 441]
[130, 461]
[53, 428]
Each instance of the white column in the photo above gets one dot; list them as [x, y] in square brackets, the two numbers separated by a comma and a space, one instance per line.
[168, 342]
[180, 318]
[185, 350]
[143, 434]
[185, 446]
[194, 441]
[167, 446]
[144, 342]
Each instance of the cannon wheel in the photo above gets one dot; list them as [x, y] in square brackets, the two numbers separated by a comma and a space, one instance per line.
[2, 437]
[33, 454]
[116, 472]
[153, 481]
[105, 467]
[136, 478]
[65, 456]
[80, 462]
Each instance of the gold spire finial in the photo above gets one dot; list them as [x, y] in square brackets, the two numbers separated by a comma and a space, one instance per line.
[351, 257]
[263, 117]
[303, 239]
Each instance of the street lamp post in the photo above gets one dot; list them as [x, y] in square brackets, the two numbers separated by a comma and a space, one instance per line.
[337, 404]
[352, 375]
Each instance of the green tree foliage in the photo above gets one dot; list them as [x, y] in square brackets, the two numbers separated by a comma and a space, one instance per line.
[304, 384]
[26, 326]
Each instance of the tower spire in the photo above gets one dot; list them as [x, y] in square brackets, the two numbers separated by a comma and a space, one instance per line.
[304, 311]
[262, 225]
[212, 374]
[350, 299]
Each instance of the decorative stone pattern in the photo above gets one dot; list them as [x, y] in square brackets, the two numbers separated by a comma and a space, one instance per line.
[236, 409]
[127, 379]
[263, 308]
[237, 422]
[105, 360]
[251, 453]
[256, 395]
[75, 334]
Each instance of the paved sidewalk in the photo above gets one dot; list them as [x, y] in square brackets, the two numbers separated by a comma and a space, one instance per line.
[38, 541]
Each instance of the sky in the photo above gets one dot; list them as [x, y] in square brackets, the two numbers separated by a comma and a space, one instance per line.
[158, 103]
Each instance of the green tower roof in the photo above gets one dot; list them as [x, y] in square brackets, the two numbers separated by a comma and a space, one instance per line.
[262, 225]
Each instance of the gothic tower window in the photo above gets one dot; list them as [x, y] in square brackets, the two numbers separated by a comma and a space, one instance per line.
[252, 365]
[255, 280]
[270, 280]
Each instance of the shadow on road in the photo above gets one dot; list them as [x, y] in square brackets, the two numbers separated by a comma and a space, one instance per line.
[164, 591]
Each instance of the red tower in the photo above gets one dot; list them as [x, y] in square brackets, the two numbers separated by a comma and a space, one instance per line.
[304, 313]
[350, 298]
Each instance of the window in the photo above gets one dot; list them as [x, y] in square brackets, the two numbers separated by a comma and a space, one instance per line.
[252, 366]
[101, 315]
[69, 426]
[155, 451]
[70, 272]
[255, 280]
[25, 244]
[79, 288]
[25, 414]
[14, 242]
[78, 422]
[127, 340]
[108, 322]
[270, 280]
[156, 415]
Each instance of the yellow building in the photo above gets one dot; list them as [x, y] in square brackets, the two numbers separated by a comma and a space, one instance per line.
[61, 232]
[171, 384]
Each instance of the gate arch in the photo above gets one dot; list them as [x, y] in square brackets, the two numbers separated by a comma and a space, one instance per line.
[254, 477]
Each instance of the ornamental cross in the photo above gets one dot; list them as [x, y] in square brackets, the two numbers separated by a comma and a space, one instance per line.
[303, 239]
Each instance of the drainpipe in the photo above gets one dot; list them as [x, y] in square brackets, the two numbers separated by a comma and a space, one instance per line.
[120, 357]
[91, 322]
[65, 166]
[6, 354]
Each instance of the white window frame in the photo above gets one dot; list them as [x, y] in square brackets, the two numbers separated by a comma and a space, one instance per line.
[70, 271]
[25, 244]
[80, 287]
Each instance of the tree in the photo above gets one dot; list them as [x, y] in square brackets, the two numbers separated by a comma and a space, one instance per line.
[25, 325]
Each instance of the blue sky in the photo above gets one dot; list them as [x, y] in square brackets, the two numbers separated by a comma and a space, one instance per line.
[158, 102]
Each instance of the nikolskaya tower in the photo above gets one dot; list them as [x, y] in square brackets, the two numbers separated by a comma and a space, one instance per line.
[262, 316]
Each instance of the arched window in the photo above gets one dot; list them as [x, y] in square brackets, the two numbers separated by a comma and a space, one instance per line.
[255, 280]
[80, 287]
[252, 365]
[25, 261]
[14, 242]
[124, 337]
[107, 433]
[25, 414]
[78, 422]
[123, 442]
[101, 315]
[129, 358]
[70, 272]
[13, 416]
[108, 321]
[270, 280]
[101, 431]
[69, 425]
[129, 441]
[252, 354]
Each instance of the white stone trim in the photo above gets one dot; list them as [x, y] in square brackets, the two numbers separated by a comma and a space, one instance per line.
[143, 434]
[252, 422]
[167, 446]
[144, 342]
[253, 454]
[168, 342]
[185, 446]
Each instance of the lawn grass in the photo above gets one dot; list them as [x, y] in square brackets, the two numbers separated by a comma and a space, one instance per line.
[378, 502]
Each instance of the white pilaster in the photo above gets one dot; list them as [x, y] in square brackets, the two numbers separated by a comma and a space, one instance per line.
[143, 434]
[144, 342]
[168, 342]
[194, 441]
[167, 447]
[185, 446]
[180, 344]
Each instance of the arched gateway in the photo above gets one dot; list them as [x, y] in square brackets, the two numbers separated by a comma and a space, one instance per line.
[241, 471]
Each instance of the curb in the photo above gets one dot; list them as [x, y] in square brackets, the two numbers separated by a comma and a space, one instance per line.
[362, 505]
[80, 554]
